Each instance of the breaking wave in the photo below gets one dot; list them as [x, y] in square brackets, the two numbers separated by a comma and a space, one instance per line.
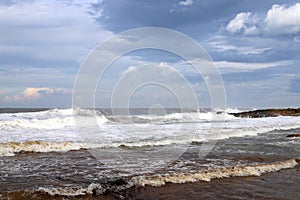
[93, 188]
[51, 123]
[207, 175]
[10, 148]
[159, 180]
[45, 120]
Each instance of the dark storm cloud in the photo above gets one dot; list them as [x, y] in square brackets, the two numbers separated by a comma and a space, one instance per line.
[121, 15]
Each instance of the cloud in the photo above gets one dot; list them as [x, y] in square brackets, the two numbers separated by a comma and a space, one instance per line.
[47, 32]
[252, 51]
[222, 44]
[41, 43]
[226, 66]
[233, 67]
[267, 92]
[186, 2]
[32, 94]
[191, 17]
[160, 83]
[218, 47]
[279, 20]
[243, 22]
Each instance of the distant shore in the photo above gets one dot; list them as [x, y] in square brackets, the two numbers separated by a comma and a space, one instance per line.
[268, 113]
[19, 110]
[274, 112]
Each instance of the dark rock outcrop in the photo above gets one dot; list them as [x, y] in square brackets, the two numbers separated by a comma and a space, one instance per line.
[268, 113]
[294, 135]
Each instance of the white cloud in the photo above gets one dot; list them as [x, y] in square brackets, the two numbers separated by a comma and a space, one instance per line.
[252, 51]
[221, 45]
[31, 94]
[184, 67]
[280, 19]
[253, 30]
[238, 23]
[226, 66]
[243, 22]
[186, 2]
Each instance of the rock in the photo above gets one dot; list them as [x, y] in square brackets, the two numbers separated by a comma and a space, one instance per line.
[294, 135]
[268, 113]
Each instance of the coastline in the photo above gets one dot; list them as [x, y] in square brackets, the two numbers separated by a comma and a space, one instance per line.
[268, 113]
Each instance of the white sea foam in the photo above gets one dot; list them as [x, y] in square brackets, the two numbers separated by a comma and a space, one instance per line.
[58, 125]
[47, 120]
[50, 123]
[10, 148]
[207, 175]
[159, 180]
[175, 118]
[112, 135]
[91, 189]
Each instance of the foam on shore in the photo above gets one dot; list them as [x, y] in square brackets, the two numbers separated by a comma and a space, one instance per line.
[10, 148]
[159, 180]
[207, 175]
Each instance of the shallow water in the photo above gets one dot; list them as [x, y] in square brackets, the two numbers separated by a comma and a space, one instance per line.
[77, 173]
[50, 161]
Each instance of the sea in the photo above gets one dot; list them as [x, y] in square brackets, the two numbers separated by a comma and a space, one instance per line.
[52, 154]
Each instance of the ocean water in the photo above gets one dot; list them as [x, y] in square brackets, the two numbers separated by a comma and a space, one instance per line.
[47, 152]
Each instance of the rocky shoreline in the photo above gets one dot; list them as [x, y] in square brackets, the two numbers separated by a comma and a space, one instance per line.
[268, 113]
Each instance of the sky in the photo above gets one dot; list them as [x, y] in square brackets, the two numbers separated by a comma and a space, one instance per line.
[254, 44]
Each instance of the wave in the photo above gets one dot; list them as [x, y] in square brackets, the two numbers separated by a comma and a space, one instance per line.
[47, 120]
[66, 118]
[93, 188]
[10, 148]
[184, 117]
[39, 114]
[207, 175]
[50, 123]
[61, 113]
[159, 180]
[236, 110]
[255, 130]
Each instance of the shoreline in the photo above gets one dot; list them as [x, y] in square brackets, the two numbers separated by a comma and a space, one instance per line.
[283, 184]
[262, 152]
